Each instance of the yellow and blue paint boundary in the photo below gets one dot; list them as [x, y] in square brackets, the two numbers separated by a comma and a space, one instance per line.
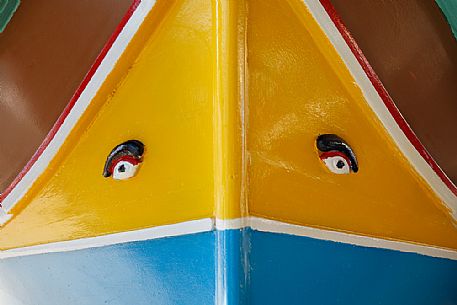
[227, 138]
[261, 265]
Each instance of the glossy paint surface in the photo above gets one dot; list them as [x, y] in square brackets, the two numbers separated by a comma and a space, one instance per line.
[178, 271]
[159, 93]
[215, 142]
[229, 123]
[177, 90]
[410, 46]
[298, 89]
[252, 267]
[45, 52]
[286, 269]
[233, 266]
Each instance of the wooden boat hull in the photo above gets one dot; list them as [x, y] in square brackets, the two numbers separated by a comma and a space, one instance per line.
[283, 268]
[230, 152]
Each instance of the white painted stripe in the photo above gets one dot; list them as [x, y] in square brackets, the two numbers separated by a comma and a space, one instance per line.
[380, 109]
[4, 217]
[106, 66]
[183, 228]
[267, 225]
[229, 224]
[209, 224]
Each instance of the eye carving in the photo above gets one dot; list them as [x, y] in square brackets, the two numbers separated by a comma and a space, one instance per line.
[123, 161]
[336, 154]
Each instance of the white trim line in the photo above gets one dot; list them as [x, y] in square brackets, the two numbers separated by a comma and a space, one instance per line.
[231, 224]
[377, 105]
[106, 66]
[273, 226]
[210, 224]
[182, 228]
[267, 225]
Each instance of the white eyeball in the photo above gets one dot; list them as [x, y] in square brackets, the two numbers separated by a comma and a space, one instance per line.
[336, 162]
[124, 170]
[123, 161]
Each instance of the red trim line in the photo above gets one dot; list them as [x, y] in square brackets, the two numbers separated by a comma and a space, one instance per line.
[131, 159]
[335, 153]
[73, 100]
[330, 9]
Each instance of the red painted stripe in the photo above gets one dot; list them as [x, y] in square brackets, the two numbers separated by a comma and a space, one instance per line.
[377, 84]
[335, 153]
[73, 100]
[127, 158]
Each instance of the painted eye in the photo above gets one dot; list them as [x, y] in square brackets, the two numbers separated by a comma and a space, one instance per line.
[336, 154]
[124, 168]
[123, 161]
[336, 162]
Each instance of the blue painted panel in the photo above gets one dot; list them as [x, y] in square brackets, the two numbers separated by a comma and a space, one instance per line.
[233, 263]
[178, 270]
[255, 268]
[293, 270]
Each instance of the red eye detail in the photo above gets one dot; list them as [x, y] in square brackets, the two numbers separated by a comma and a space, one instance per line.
[127, 158]
[336, 161]
[334, 153]
[123, 160]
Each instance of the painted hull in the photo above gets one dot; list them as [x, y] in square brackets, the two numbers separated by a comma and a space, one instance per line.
[303, 270]
[228, 152]
[182, 270]
[176, 270]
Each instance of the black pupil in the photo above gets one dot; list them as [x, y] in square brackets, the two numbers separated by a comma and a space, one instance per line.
[340, 164]
[122, 168]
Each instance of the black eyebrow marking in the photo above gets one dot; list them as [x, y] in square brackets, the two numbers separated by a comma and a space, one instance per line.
[132, 148]
[329, 142]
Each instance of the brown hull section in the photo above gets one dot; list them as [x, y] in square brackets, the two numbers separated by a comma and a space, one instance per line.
[411, 48]
[45, 52]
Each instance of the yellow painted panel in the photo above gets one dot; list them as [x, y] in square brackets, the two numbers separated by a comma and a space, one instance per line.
[180, 89]
[299, 88]
[229, 124]
[161, 95]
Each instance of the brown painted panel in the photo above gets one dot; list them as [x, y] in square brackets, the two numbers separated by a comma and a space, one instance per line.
[411, 47]
[45, 52]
